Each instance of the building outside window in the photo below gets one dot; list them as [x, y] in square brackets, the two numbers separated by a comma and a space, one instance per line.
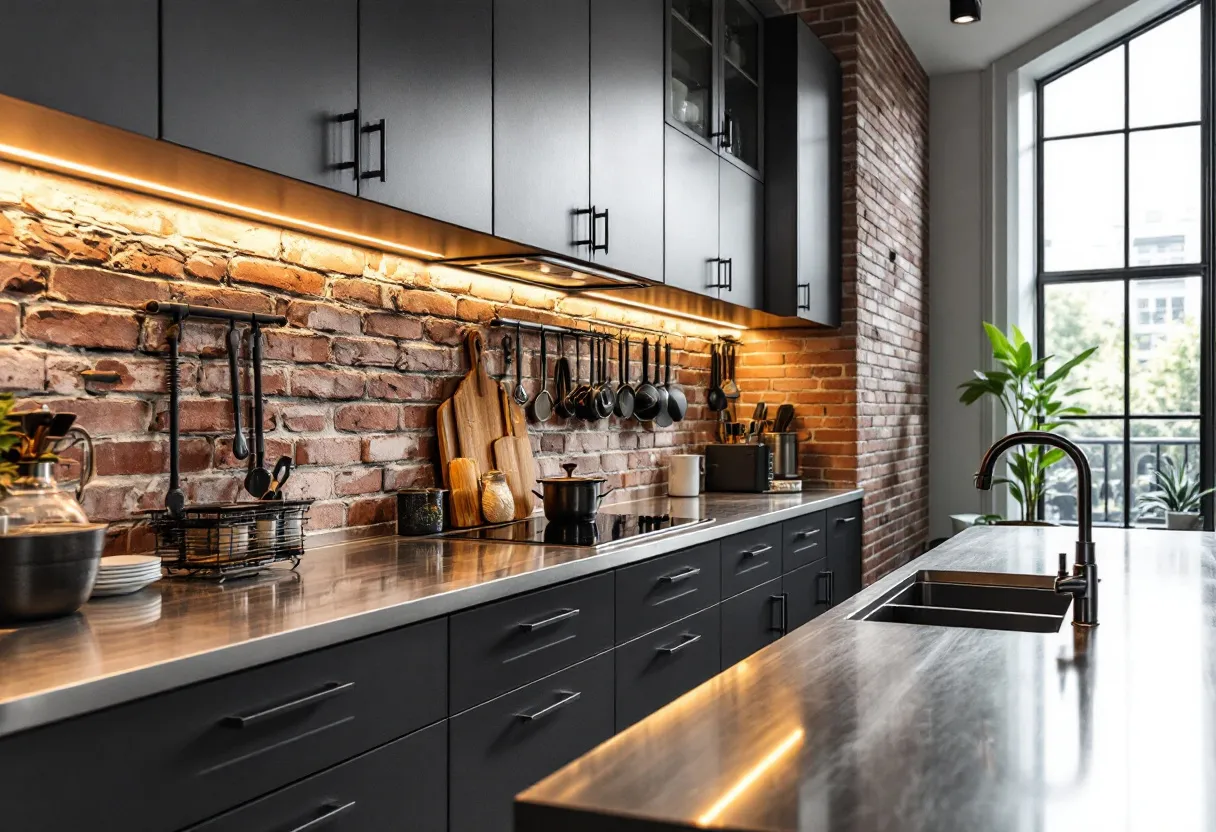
[1121, 258]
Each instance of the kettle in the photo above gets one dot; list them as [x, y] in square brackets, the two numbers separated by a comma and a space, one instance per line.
[35, 498]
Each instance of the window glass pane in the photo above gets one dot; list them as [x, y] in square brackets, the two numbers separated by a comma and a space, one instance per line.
[1088, 99]
[1152, 441]
[1165, 351]
[1165, 197]
[1083, 204]
[1165, 72]
[1082, 315]
[1102, 442]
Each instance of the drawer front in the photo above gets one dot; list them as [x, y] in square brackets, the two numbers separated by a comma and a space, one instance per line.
[507, 644]
[659, 591]
[844, 550]
[207, 748]
[661, 666]
[802, 541]
[750, 559]
[808, 593]
[402, 785]
[504, 746]
[751, 621]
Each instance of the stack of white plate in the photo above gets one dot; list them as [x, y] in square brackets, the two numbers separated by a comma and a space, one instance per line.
[124, 574]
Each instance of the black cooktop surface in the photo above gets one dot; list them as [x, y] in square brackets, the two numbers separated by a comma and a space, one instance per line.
[607, 530]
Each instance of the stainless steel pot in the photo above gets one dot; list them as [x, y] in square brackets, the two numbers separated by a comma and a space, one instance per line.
[48, 571]
[785, 455]
[572, 499]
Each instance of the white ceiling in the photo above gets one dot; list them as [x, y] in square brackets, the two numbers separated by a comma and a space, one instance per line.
[944, 47]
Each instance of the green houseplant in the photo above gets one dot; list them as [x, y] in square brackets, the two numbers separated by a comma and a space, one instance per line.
[1032, 399]
[10, 437]
[1177, 497]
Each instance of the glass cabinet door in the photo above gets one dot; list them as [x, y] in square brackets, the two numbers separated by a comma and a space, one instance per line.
[741, 61]
[691, 97]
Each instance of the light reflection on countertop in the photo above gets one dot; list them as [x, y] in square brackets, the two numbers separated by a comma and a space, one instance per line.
[180, 631]
[908, 727]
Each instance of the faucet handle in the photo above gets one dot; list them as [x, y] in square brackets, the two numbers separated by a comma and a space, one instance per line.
[1063, 573]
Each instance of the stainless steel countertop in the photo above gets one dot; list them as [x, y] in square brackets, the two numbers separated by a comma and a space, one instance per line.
[178, 631]
[860, 725]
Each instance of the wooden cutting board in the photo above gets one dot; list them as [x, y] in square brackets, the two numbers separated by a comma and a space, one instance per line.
[477, 406]
[513, 456]
[465, 498]
[449, 440]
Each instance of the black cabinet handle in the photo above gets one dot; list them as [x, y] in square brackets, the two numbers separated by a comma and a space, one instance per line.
[756, 551]
[686, 640]
[783, 618]
[805, 533]
[330, 813]
[378, 127]
[730, 274]
[823, 588]
[719, 282]
[727, 135]
[596, 245]
[591, 239]
[353, 164]
[328, 692]
[807, 304]
[682, 575]
[568, 697]
[556, 618]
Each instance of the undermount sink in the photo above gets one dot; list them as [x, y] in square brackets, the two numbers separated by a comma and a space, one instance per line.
[981, 600]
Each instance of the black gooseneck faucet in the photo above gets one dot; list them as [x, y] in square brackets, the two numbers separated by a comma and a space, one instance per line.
[1082, 584]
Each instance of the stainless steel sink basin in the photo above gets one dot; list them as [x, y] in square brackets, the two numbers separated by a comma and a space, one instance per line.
[983, 600]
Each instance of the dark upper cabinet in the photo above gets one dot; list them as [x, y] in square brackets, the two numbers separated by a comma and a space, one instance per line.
[627, 93]
[741, 237]
[691, 215]
[715, 70]
[803, 194]
[542, 124]
[91, 58]
[267, 84]
[426, 69]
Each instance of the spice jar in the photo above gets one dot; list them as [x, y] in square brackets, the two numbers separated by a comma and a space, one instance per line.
[497, 504]
[420, 511]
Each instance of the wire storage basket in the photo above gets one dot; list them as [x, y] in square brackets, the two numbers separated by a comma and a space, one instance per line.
[225, 540]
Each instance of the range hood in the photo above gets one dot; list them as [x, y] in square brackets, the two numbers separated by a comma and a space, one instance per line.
[548, 270]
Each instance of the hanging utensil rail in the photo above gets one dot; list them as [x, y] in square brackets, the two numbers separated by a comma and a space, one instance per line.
[526, 326]
[182, 311]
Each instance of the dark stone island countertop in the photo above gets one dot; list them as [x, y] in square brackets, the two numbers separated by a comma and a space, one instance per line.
[869, 726]
[182, 631]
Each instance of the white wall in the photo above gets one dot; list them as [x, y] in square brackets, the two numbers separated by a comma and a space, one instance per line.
[956, 269]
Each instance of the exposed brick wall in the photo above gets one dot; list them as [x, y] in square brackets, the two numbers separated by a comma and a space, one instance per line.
[373, 344]
[862, 390]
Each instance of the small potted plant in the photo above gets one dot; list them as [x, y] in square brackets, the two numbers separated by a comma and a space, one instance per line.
[10, 437]
[1177, 497]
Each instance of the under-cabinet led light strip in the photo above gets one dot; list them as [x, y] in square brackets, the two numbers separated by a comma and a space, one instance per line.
[662, 312]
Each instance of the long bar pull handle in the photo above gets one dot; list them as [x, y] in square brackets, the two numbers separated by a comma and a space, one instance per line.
[556, 618]
[682, 575]
[569, 697]
[331, 812]
[783, 616]
[756, 551]
[330, 690]
[686, 640]
[353, 164]
[378, 127]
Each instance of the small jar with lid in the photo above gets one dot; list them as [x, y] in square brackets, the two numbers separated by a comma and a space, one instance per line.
[497, 502]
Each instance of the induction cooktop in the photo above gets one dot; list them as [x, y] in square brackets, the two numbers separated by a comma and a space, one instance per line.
[606, 531]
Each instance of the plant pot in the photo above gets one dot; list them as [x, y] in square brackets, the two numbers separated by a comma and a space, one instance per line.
[1183, 522]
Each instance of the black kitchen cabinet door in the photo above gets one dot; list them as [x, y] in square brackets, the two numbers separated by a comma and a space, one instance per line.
[844, 550]
[506, 745]
[92, 58]
[750, 621]
[808, 593]
[803, 190]
[266, 84]
[627, 94]
[691, 215]
[426, 68]
[542, 123]
[741, 236]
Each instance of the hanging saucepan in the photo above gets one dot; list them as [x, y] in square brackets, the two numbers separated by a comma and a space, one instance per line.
[646, 398]
[572, 499]
[624, 390]
[677, 402]
[605, 396]
[662, 419]
[583, 395]
[562, 381]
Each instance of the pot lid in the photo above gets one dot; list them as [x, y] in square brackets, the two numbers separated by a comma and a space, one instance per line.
[569, 468]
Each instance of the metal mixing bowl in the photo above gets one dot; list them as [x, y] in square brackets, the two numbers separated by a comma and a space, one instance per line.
[46, 571]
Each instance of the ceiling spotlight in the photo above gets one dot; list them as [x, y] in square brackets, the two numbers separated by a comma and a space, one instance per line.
[965, 11]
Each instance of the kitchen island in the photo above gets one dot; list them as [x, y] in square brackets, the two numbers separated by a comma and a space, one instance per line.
[867, 725]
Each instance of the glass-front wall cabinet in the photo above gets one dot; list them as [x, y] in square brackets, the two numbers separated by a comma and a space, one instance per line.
[715, 55]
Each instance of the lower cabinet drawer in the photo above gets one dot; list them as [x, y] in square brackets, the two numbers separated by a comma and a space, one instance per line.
[751, 621]
[504, 746]
[662, 666]
[660, 591]
[751, 558]
[195, 752]
[802, 541]
[402, 785]
[808, 593]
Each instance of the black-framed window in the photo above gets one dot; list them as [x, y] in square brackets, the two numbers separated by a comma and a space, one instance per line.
[1124, 258]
